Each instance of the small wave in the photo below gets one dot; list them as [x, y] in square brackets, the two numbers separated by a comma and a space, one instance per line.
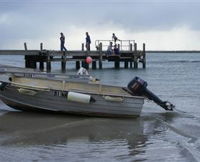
[175, 61]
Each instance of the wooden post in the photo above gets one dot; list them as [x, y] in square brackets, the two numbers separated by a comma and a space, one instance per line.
[82, 47]
[85, 65]
[135, 56]
[100, 56]
[78, 65]
[30, 61]
[131, 49]
[27, 61]
[144, 56]
[48, 63]
[135, 62]
[94, 65]
[117, 64]
[63, 64]
[125, 64]
[41, 62]
[131, 64]
[25, 46]
[63, 61]
[135, 47]
[41, 46]
[41, 65]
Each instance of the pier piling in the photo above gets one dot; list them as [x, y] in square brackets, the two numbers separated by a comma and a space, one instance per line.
[48, 63]
[94, 65]
[41, 65]
[63, 65]
[131, 50]
[144, 56]
[63, 62]
[131, 64]
[117, 64]
[78, 65]
[100, 56]
[126, 64]
[135, 60]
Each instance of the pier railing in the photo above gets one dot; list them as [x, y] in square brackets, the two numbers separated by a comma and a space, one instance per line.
[123, 45]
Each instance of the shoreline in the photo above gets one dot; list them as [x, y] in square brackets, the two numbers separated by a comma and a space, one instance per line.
[172, 51]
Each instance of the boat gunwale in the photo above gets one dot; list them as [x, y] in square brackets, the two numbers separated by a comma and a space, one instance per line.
[73, 90]
[49, 76]
[64, 80]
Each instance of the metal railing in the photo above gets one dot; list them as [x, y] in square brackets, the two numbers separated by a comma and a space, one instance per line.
[123, 45]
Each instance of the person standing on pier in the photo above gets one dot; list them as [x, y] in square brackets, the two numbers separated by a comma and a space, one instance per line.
[87, 41]
[62, 42]
[116, 49]
[109, 49]
[114, 38]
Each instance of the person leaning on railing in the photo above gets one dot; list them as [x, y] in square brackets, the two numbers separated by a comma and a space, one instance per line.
[109, 49]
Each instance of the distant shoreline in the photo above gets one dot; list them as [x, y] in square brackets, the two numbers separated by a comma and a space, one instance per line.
[172, 51]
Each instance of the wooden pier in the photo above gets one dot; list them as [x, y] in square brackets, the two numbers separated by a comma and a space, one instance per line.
[131, 56]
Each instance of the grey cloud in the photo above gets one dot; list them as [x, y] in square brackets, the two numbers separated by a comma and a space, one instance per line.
[31, 19]
[137, 14]
[156, 17]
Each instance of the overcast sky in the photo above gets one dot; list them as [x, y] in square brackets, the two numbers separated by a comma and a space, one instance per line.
[161, 24]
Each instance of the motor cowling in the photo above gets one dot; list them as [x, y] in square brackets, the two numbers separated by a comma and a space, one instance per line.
[137, 86]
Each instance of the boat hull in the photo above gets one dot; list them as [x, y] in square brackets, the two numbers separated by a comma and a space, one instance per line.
[56, 101]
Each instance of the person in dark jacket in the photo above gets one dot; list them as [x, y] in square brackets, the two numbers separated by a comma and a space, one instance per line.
[62, 42]
[116, 50]
[114, 38]
[87, 41]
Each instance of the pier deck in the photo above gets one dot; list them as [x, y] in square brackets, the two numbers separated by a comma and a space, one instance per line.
[130, 57]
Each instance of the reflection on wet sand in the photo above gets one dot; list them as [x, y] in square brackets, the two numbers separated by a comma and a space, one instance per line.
[35, 128]
[26, 131]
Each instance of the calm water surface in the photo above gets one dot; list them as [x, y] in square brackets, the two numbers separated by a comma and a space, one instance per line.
[155, 136]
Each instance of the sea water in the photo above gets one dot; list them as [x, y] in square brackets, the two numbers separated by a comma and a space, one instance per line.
[155, 136]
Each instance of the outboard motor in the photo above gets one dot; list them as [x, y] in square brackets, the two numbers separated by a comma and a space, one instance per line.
[3, 85]
[139, 87]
